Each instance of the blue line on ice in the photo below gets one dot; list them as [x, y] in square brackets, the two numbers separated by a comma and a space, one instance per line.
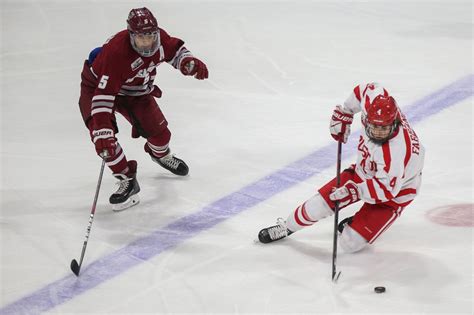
[147, 247]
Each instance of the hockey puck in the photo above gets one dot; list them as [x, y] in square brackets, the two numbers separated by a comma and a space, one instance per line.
[379, 289]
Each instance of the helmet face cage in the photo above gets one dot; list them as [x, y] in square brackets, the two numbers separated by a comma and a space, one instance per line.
[141, 24]
[380, 134]
[148, 51]
[382, 119]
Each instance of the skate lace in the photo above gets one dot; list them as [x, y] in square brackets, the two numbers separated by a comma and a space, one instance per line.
[170, 161]
[123, 185]
[278, 231]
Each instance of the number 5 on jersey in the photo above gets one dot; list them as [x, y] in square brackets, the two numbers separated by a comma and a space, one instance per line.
[103, 81]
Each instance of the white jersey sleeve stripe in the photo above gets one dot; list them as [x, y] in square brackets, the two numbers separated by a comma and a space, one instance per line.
[182, 53]
[103, 98]
[101, 110]
[103, 104]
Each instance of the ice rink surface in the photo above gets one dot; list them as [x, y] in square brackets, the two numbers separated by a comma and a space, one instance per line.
[256, 138]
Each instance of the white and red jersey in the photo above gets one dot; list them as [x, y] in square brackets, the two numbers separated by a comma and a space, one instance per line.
[119, 70]
[390, 172]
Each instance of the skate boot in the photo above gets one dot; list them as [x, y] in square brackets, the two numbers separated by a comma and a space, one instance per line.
[171, 163]
[275, 232]
[343, 223]
[126, 195]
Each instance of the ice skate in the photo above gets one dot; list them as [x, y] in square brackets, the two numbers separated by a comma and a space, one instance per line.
[172, 164]
[275, 232]
[343, 223]
[126, 195]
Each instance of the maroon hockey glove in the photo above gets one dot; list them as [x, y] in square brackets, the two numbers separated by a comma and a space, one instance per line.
[346, 194]
[195, 67]
[105, 142]
[340, 126]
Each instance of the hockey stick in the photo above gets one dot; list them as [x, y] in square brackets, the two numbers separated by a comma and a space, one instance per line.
[336, 215]
[76, 267]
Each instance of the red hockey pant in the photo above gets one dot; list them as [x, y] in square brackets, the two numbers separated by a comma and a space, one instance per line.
[372, 219]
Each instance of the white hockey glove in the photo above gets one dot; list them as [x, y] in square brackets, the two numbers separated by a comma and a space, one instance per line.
[340, 126]
[346, 194]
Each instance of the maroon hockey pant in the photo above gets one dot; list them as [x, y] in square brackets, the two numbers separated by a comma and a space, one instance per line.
[144, 115]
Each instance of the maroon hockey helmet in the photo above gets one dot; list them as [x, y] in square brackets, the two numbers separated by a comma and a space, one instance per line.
[142, 23]
[382, 118]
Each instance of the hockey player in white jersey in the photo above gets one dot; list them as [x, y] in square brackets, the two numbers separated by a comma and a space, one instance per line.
[386, 176]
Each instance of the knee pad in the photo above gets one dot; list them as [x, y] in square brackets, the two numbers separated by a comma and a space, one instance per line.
[317, 207]
[351, 241]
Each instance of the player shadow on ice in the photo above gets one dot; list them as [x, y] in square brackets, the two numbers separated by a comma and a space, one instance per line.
[168, 177]
[153, 212]
[407, 273]
[323, 252]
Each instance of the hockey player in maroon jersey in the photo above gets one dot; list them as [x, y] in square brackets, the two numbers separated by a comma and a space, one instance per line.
[386, 177]
[118, 77]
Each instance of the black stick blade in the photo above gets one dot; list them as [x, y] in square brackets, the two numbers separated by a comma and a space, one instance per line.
[75, 267]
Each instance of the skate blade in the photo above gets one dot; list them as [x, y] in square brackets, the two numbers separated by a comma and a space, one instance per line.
[130, 202]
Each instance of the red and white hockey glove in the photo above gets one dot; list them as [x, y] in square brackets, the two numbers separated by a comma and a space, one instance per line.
[194, 67]
[104, 141]
[340, 126]
[346, 194]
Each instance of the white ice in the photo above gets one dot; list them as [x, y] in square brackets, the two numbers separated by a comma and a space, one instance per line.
[277, 69]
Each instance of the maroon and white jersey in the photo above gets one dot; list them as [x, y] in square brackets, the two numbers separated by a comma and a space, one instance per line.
[390, 172]
[119, 70]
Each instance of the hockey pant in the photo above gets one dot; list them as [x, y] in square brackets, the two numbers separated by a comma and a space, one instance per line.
[367, 225]
[147, 121]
